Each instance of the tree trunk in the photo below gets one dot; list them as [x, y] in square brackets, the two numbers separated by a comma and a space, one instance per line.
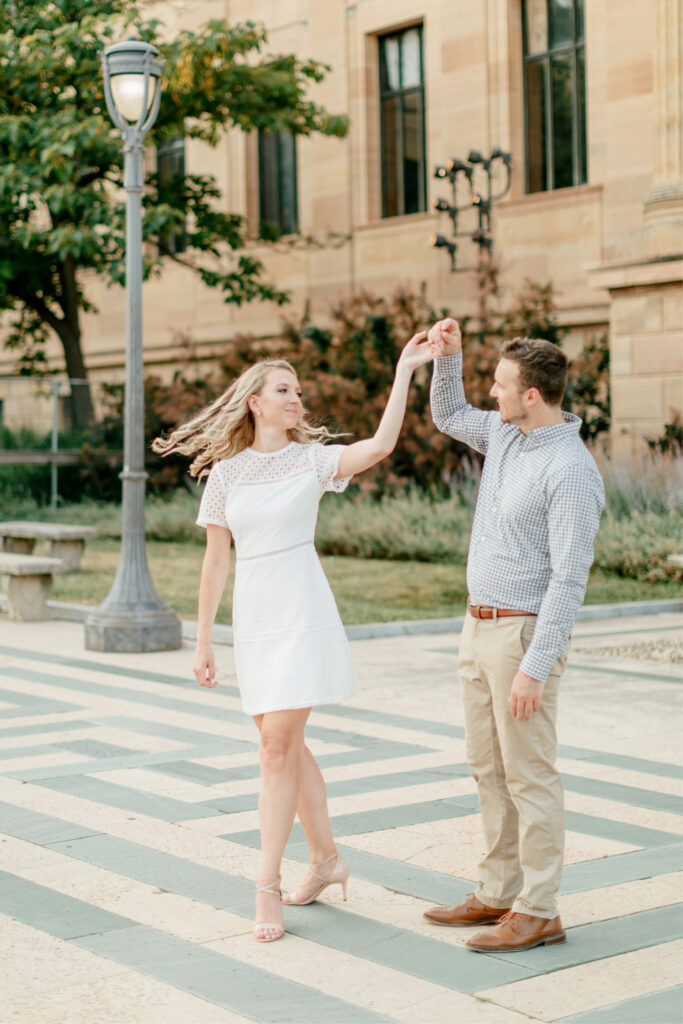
[82, 409]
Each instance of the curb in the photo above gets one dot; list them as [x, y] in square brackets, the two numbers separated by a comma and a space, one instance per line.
[408, 627]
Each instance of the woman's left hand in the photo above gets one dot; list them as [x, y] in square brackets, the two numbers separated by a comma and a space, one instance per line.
[417, 352]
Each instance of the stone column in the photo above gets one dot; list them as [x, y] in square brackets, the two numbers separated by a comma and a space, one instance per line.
[663, 206]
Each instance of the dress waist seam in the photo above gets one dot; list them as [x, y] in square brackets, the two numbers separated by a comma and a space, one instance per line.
[278, 551]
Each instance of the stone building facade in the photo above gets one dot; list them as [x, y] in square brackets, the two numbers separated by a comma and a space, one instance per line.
[587, 99]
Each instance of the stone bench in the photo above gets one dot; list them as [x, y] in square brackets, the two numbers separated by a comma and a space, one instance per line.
[676, 560]
[63, 541]
[27, 581]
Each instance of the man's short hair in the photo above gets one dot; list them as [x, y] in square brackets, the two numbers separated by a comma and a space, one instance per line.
[542, 365]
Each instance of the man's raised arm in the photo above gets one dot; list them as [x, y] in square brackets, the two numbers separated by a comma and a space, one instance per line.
[450, 411]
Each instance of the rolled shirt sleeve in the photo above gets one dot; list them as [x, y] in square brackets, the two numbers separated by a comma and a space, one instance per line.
[451, 412]
[576, 501]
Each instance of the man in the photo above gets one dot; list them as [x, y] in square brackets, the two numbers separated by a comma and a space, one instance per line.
[531, 549]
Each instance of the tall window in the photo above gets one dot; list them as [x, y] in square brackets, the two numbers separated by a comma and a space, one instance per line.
[278, 202]
[555, 94]
[401, 84]
[171, 175]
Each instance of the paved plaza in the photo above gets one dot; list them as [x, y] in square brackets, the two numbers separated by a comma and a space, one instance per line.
[129, 842]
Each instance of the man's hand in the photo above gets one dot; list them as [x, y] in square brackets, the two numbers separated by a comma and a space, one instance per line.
[526, 696]
[445, 338]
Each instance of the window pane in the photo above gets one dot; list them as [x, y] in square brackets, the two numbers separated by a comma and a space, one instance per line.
[412, 152]
[391, 141]
[269, 199]
[579, 19]
[536, 127]
[562, 88]
[288, 191]
[389, 57]
[581, 108]
[412, 74]
[536, 17]
[561, 22]
[171, 173]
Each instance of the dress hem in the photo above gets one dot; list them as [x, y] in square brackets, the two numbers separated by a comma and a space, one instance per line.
[306, 704]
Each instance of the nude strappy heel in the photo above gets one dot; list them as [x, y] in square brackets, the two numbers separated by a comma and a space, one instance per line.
[273, 890]
[339, 875]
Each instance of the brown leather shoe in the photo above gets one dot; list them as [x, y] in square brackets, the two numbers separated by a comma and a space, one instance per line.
[472, 911]
[518, 931]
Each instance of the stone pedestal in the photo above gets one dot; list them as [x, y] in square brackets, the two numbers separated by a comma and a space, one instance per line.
[140, 632]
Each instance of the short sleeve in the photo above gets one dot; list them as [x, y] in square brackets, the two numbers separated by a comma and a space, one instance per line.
[326, 460]
[212, 506]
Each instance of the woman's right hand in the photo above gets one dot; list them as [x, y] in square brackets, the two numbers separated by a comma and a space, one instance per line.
[204, 666]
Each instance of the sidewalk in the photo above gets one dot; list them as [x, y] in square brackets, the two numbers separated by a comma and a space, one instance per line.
[129, 842]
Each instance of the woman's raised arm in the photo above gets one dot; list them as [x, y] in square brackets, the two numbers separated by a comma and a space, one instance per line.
[362, 455]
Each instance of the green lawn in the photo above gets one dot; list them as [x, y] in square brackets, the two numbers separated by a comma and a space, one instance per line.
[367, 590]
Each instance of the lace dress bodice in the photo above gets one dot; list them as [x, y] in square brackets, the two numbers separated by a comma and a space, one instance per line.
[290, 647]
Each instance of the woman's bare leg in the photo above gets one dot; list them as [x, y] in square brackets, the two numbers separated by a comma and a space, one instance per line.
[315, 819]
[282, 745]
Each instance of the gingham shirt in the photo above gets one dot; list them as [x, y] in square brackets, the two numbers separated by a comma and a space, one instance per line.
[537, 514]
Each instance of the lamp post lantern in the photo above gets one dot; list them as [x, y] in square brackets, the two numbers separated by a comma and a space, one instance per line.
[133, 617]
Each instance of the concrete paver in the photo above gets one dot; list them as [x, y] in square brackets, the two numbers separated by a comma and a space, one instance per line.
[128, 841]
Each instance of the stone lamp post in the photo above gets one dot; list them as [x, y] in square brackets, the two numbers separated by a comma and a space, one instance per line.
[133, 617]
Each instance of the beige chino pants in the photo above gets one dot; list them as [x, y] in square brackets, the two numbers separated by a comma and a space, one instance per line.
[513, 763]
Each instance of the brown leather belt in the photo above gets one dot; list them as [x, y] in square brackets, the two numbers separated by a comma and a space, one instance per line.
[485, 611]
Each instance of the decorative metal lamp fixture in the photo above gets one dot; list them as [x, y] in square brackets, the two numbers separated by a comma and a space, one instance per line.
[133, 617]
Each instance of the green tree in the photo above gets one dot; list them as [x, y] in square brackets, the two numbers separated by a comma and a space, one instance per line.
[61, 208]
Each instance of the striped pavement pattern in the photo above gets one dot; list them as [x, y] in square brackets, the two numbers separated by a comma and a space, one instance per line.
[129, 848]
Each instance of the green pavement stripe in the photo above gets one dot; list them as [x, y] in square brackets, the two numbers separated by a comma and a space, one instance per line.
[381, 943]
[111, 794]
[658, 677]
[142, 760]
[633, 795]
[389, 718]
[632, 764]
[39, 730]
[622, 867]
[619, 831]
[324, 923]
[190, 771]
[597, 941]
[226, 981]
[51, 912]
[586, 637]
[151, 700]
[104, 667]
[350, 787]
[663, 1007]
[29, 704]
[190, 967]
[359, 822]
[97, 749]
[346, 711]
[436, 887]
[176, 733]
[184, 707]
[42, 829]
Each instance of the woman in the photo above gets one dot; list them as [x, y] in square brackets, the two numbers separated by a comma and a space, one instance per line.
[269, 471]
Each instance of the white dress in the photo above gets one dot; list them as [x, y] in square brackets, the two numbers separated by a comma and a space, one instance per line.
[290, 646]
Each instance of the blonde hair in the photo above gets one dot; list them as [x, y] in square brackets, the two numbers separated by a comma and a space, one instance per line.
[226, 427]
